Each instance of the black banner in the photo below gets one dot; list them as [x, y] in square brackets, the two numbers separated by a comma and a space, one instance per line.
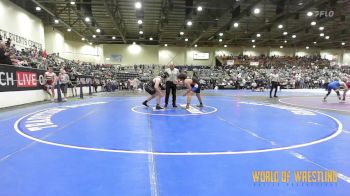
[14, 78]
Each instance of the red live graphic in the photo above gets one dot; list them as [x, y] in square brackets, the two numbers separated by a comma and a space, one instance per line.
[26, 79]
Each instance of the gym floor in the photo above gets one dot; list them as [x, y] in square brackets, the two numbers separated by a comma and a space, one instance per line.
[109, 144]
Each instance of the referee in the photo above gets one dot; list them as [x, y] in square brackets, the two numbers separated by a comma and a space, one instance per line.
[274, 82]
[171, 84]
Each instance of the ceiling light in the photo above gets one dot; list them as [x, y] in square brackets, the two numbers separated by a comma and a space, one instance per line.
[285, 33]
[83, 39]
[133, 43]
[98, 30]
[313, 23]
[285, 41]
[258, 35]
[113, 37]
[139, 21]
[186, 39]
[315, 42]
[195, 45]
[307, 47]
[72, 2]
[94, 36]
[253, 40]
[87, 19]
[38, 8]
[327, 37]
[151, 38]
[281, 46]
[199, 8]
[321, 34]
[189, 23]
[182, 33]
[280, 26]
[321, 28]
[138, 5]
[220, 40]
[253, 46]
[140, 32]
[343, 43]
[165, 45]
[225, 45]
[256, 11]
[221, 34]
[69, 29]
[235, 24]
[56, 21]
[294, 36]
[90, 43]
[309, 14]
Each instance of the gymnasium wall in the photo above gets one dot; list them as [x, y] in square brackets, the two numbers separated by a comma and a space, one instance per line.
[254, 51]
[172, 54]
[146, 54]
[191, 51]
[346, 57]
[76, 50]
[54, 40]
[281, 52]
[16, 20]
[130, 54]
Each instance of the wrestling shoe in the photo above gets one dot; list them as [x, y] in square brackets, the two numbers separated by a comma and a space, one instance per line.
[145, 103]
[159, 108]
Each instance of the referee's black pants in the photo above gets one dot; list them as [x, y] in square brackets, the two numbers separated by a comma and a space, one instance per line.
[170, 86]
[274, 85]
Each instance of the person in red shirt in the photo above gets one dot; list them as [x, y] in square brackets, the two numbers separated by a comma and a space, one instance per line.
[50, 78]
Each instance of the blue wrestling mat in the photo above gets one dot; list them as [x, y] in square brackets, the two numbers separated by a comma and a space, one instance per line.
[116, 146]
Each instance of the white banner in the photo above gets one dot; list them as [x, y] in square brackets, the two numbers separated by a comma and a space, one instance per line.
[200, 56]
[254, 63]
[230, 62]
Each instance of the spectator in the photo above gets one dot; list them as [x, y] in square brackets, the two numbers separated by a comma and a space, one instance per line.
[64, 80]
[4, 58]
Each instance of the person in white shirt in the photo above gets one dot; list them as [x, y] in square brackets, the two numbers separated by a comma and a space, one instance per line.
[153, 88]
[64, 80]
[171, 84]
[274, 77]
[135, 83]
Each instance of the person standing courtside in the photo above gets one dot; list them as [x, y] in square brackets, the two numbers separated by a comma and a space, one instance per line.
[274, 77]
[64, 80]
[171, 84]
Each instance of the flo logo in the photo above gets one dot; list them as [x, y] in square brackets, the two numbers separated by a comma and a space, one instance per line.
[324, 13]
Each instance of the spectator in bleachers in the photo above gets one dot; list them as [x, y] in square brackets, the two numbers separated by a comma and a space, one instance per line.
[4, 57]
